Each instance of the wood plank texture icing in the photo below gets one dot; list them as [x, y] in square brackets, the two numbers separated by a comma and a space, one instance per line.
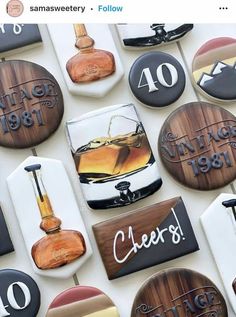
[179, 293]
[197, 145]
[145, 237]
[31, 104]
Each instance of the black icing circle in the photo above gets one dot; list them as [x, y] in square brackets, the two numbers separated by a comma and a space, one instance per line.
[9, 277]
[157, 79]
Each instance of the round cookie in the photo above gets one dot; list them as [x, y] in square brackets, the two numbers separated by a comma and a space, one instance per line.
[214, 69]
[31, 104]
[179, 293]
[157, 79]
[82, 301]
[19, 294]
[197, 145]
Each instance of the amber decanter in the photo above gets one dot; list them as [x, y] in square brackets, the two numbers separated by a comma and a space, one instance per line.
[58, 247]
[89, 64]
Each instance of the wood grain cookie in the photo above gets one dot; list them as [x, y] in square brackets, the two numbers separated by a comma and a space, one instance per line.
[197, 145]
[31, 104]
[82, 301]
[179, 293]
[145, 237]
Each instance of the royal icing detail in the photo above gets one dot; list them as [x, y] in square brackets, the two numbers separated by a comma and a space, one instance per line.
[145, 36]
[214, 69]
[145, 237]
[114, 160]
[197, 145]
[19, 294]
[178, 293]
[31, 106]
[156, 236]
[87, 71]
[157, 79]
[56, 239]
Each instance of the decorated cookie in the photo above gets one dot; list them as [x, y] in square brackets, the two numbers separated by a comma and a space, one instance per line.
[18, 37]
[88, 58]
[31, 104]
[157, 79]
[143, 36]
[213, 69]
[179, 293]
[19, 294]
[56, 239]
[219, 225]
[82, 301]
[145, 237]
[113, 157]
[6, 245]
[197, 145]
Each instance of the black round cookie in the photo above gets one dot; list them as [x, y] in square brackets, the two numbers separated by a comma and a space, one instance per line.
[19, 294]
[157, 79]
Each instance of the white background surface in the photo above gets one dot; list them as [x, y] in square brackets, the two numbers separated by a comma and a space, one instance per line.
[122, 290]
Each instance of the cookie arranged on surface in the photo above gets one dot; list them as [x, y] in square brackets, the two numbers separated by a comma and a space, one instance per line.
[82, 301]
[31, 104]
[56, 239]
[157, 79]
[197, 145]
[219, 225]
[145, 237]
[18, 37]
[88, 57]
[113, 157]
[146, 36]
[214, 69]
[6, 245]
[19, 294]
[180, 293]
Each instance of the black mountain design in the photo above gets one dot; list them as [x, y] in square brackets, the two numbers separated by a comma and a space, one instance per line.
[221, 82]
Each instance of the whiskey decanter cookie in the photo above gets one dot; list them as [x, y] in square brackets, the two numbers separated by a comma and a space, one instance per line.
[15, 38]
[56, 239]
[214, 69]
[88, 57]
[179, 292]
[82, 301]
[89, 64]
[219, 225]
[19, 294]
[113, 157]
[145, 237]
[197, 145]
[31, 104]
[157, 79]
[145, 36]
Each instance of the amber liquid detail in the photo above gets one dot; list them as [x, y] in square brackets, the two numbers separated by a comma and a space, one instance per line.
[89, 64]
[59, 247]
[109, 157]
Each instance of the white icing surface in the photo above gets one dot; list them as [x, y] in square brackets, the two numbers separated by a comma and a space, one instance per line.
[63, 203]
[66, 49]
[219, 227]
